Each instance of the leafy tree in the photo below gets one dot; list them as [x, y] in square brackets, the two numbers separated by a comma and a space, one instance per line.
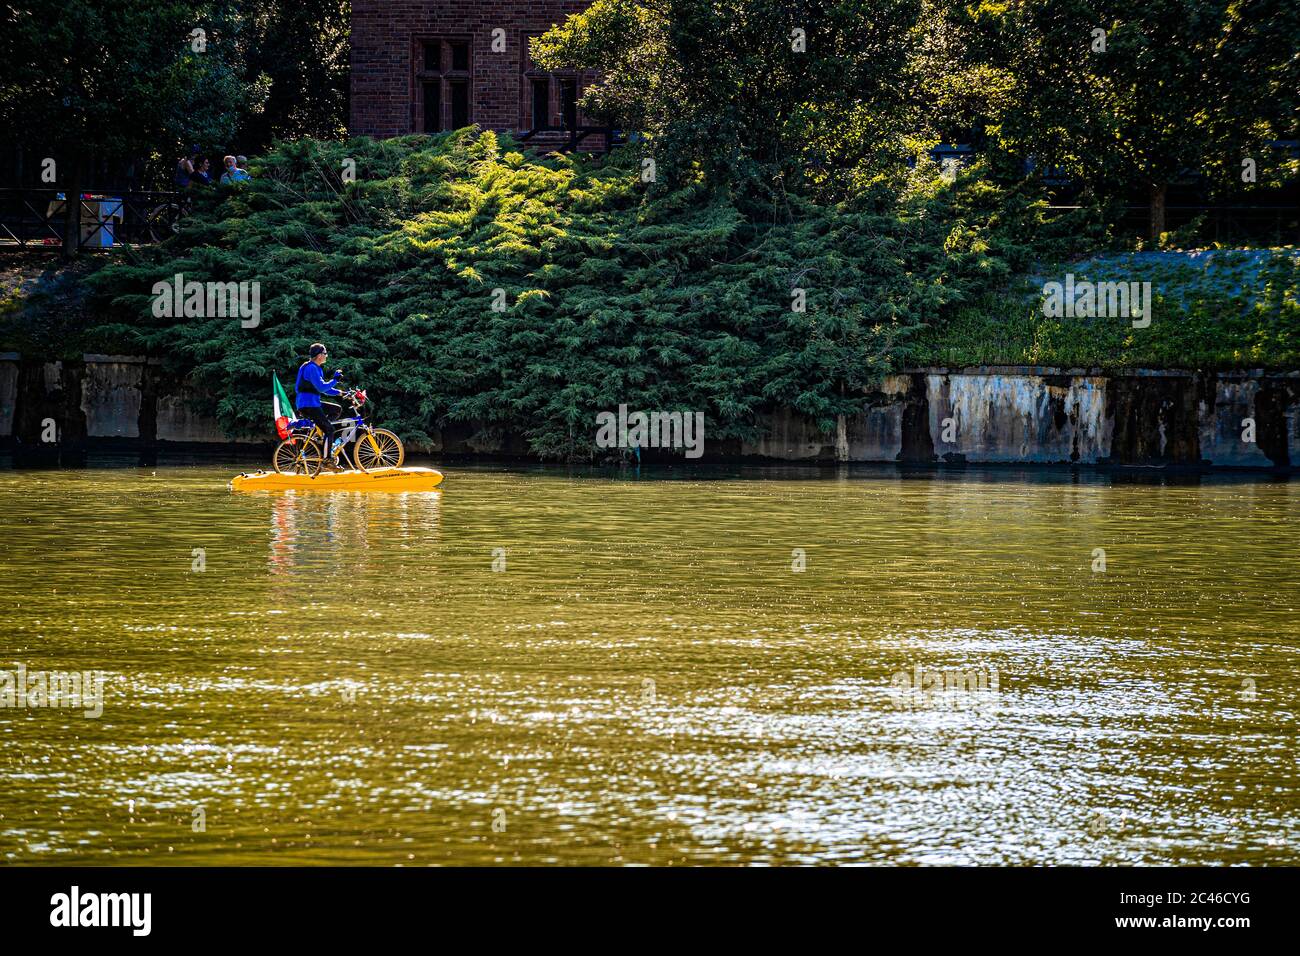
[1119, 93]
[109, 75]
[1141, 91]
[294, 55]
[772, 94]
[108, 79]
[105, 83]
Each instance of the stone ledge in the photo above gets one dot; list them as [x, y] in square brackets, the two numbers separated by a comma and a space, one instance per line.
[93, 358]
[1043, 370]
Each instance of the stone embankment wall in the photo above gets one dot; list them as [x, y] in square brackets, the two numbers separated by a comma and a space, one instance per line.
[1022, 415]
[1049, 416]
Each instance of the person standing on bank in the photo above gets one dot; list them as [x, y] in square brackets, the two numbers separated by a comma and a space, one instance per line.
[309, 388]
[201, 176]
[233, 173]
[185, 169]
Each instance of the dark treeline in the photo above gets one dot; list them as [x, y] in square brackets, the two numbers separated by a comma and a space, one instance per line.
[114, 90]
[1121, 99]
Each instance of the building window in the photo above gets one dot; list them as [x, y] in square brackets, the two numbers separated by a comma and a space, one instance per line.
[432, 106]
[535, 110]
[459, 55]
[569, 103]
[543, 91]
[443, 81]
[459, 103]
[541, 110]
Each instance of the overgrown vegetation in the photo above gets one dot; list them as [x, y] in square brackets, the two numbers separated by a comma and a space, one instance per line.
[682, 300]
[1227, 309]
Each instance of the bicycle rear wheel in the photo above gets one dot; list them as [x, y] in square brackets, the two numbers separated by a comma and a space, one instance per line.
[298, 456]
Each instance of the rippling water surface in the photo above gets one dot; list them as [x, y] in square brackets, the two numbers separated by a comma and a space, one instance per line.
[649, 679]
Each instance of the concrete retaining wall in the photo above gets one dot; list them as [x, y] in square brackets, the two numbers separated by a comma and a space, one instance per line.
[111, 392]
[105, 397]
[1004, 415]
[1049, 416]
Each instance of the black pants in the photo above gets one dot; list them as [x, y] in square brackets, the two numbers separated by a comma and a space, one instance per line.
[320, 418]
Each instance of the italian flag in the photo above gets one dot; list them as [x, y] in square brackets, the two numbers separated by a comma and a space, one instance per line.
[280, 406]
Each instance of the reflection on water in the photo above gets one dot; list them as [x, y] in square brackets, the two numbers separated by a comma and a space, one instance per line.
[306, 526]
[868, 666]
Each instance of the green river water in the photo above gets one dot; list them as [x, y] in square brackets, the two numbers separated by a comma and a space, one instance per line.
[646, 676]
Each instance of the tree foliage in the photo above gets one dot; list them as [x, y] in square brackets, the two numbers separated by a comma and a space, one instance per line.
[115, 77]
[294, 56]
[1115, 93]
[772, 94]
[1141, 91]
[141, 80]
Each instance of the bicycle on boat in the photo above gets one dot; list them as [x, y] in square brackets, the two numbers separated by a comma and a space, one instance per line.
[302, 452]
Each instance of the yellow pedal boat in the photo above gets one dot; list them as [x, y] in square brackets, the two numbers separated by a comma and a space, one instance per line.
[381, 479]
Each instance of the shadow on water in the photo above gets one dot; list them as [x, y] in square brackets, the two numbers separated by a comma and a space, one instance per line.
[241, 460]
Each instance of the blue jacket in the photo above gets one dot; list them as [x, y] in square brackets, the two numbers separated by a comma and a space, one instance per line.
[311, 385]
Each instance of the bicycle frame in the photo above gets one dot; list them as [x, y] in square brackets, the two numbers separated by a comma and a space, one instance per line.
[346, 431]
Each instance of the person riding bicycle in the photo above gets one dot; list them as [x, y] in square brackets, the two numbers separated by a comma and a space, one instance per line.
[309, 388]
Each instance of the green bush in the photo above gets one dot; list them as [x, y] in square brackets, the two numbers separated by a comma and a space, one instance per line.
[680, 301]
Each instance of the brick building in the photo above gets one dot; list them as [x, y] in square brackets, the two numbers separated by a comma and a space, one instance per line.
[423, 66]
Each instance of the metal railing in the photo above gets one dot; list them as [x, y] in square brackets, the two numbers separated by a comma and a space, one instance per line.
[100, 219]
[577, 135]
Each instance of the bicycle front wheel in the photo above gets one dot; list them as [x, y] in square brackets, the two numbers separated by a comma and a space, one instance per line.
[378, 449]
